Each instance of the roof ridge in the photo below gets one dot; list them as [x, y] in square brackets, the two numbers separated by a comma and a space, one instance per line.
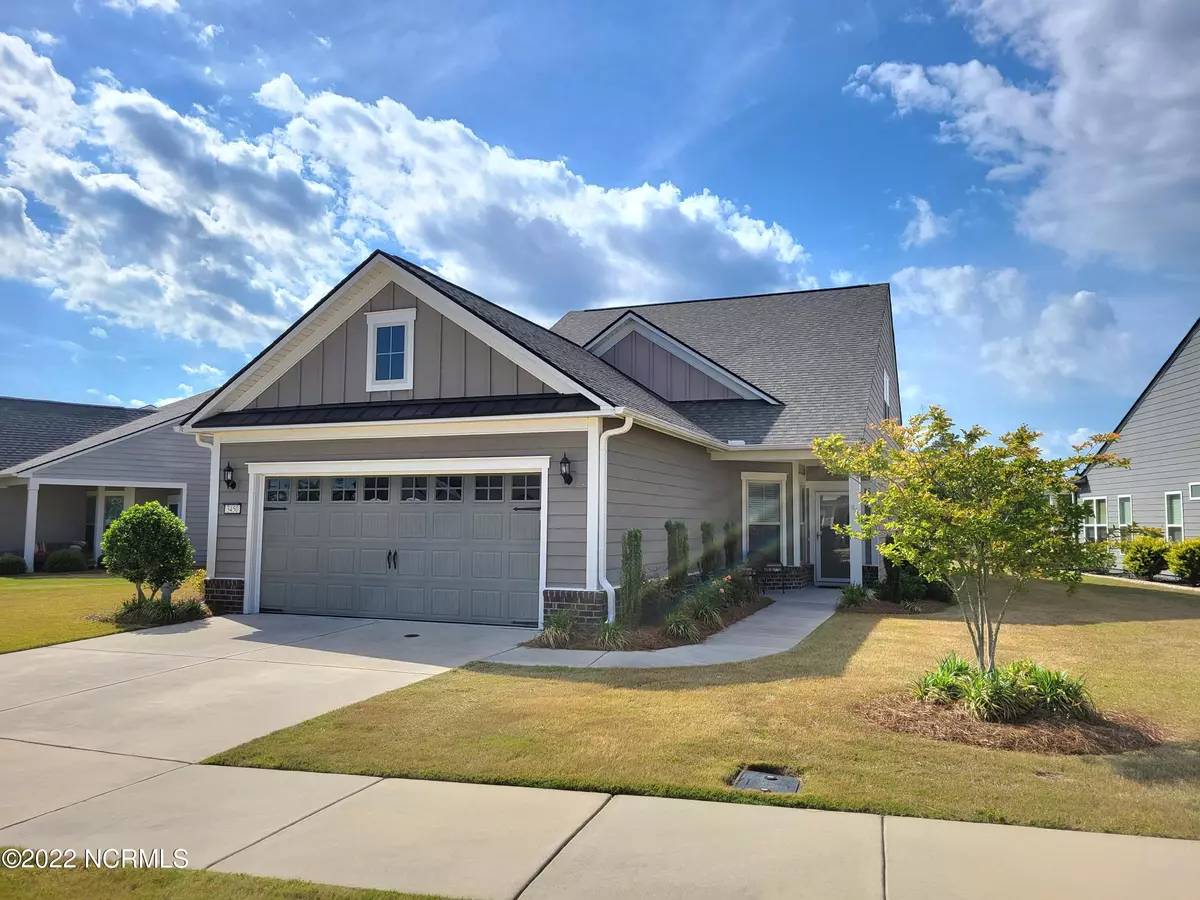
[629, 306]
[80, 404]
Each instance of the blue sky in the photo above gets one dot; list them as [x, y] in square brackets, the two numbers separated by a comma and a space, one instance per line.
[179, 179]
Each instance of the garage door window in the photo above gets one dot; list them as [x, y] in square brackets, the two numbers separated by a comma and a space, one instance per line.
[527, 488]
[448, 488]
[377, 488]
[345, 490]
[308, 490]
[414, 488]
[489, 488]
[278, 490]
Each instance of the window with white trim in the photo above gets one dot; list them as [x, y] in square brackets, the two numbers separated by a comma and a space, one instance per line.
[414, 488]
[448, 488]
[345, 490]
[527, 488]
[308, 490]
[1124, 510]
[390, 349]
[764, 521]
[377, 487]
[887, 395]
[1174, 501]
[1194, 490]
[1095, 524]
[278, 490]
[489, 488]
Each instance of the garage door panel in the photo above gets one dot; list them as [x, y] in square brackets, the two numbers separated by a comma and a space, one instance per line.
[472, 559]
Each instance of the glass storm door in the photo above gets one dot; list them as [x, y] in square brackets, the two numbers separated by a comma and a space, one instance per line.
[833, 561]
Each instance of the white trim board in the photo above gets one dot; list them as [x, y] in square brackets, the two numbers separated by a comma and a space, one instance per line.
[258, 472]
[550, 423]
[631, 322]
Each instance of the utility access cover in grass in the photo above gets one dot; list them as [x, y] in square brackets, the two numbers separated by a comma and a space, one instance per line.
[766, 782]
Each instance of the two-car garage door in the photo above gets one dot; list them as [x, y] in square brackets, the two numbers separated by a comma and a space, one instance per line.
[460, 548]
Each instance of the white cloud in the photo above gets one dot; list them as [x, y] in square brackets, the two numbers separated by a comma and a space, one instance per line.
[1107, 138]
[164, 222]
[910, 390]
[841, 277]
[324, 41]
[961, 294]
[924, 226]
[98, 332]
[108, 398]
[187, 389]
[43, 38]
[208, 34]
[1059, 444]
[210, 375]
[130, 6]
[1075, 337]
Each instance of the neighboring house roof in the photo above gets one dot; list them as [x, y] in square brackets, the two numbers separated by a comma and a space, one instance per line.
[407, 410]
[1194, 330]
[146, 419]
[31, 428]
[814, 351]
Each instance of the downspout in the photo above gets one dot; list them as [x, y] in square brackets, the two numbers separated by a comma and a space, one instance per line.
[210, 547]
[602, 476]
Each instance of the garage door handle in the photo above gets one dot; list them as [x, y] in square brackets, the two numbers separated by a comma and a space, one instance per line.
[391, 559]
[527, 509]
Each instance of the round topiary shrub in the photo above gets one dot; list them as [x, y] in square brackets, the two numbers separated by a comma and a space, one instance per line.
[1183, 558]
[1145, 555]
[11, 564]
[65, 561]
[148, 545]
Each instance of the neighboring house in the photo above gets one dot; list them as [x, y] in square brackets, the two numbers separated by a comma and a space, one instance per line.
[408, 449]
[1160, 435]
[67, 470]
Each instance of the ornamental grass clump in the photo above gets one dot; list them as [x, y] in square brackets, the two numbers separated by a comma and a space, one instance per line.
[680, 626]
[558, 629]
[1007, 694]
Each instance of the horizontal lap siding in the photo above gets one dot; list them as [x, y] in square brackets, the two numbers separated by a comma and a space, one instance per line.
[566, 516]
[1162, 440]
[652, 478]
[159, 455]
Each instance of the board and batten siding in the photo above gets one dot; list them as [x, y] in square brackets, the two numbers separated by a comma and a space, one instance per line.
[158, 455]
[1162, 441]
[653, 477]
[566, 544]
[663, 372]
[447, 362]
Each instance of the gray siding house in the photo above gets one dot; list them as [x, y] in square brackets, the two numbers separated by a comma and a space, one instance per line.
[70, 469]
[408, 449]
[1160, 435]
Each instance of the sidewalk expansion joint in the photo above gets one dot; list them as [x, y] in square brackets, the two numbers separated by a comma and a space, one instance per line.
[559, 849]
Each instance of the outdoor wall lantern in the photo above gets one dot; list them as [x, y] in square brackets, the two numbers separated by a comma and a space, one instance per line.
[228, 473]
[564, 469]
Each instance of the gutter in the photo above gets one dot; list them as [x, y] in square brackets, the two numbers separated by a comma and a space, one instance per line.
[602, 478]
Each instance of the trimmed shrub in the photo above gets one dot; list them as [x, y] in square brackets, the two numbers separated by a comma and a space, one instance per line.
[1145, 555]
[148, 545]
[939, 591]
[709, 553]
[732, 539]
[65, 561]
[11, 564]
[678, 555]
[613, 636]
[159, 611]
[1184, 560]
[558, 629]
[739, 588]
[633, 579]
[680, 626]
[703, 608]
[853, 595]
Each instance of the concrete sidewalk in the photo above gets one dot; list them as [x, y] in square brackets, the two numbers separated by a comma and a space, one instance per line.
[486, 841]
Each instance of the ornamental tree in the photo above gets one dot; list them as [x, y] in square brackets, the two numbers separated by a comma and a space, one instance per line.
[983, 516]
[148, 545]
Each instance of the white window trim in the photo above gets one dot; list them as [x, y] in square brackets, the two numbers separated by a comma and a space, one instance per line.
[1084, 526]
[258, 472]
[387, 318]
[1121, 497]
[887, 395]
[779, 478]
[1193, 484]
[1167, 526]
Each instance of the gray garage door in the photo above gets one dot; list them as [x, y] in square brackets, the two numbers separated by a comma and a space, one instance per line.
[457, 548]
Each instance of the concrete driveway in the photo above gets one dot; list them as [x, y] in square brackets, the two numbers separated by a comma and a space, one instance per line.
[184, 692]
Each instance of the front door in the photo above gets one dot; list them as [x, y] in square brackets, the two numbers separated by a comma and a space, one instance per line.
[833, 558]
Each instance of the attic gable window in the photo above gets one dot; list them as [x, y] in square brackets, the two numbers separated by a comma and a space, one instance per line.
[390, 349]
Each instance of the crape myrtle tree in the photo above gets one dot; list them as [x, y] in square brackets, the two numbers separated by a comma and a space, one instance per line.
[984, 516]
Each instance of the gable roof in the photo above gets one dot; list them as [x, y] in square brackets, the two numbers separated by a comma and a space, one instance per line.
[1192, 332]
[815, 351]
[30, 428]
[147, 419]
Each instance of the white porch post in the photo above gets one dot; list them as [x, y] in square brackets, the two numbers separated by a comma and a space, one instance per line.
[31, 511]
[856, 546]
[98, 527]
[797, 513]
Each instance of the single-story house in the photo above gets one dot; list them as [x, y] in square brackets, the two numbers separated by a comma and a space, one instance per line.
[409, 449]
[1160, 435]
[67, 470]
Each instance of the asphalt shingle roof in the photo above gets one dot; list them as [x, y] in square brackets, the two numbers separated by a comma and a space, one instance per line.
[31, 428]
[135, 420]
[814, 351]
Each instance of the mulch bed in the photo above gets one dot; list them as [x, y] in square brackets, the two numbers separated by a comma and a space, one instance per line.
[1110, 732]
[653, 637]
[884, 607]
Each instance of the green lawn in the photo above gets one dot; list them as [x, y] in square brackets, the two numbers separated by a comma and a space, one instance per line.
[682, 732]
[172, 884]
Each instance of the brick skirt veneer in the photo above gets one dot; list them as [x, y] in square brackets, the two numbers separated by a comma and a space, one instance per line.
[784, 578]
[589, 606]
[224, 595]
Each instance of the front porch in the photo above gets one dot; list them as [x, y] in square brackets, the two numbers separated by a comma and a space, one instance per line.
[47, 515]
